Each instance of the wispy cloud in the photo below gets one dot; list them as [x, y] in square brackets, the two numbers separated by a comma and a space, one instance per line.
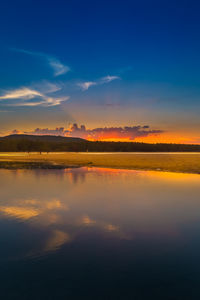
[23, 93]
[108, 79]
[58, 67]
[30, 97]
[47, 87]
[87, 84]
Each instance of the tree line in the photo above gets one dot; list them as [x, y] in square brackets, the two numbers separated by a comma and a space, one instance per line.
[45, 145]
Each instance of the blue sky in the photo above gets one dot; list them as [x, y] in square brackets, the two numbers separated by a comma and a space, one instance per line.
[100, 63]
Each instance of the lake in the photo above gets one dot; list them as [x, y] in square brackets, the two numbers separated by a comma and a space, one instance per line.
[97, 233]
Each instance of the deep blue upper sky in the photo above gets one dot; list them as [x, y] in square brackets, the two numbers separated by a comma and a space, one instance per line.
[153, 46]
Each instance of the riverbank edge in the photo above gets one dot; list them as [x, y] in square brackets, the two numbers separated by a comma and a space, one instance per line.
[50, 165]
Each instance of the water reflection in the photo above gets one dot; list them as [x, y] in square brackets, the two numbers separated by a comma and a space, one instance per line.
[122, 203]
[136, 215]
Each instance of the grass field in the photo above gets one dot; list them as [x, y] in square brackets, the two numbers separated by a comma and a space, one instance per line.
[173, 162]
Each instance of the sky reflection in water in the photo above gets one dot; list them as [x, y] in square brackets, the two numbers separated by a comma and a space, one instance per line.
[130, 233]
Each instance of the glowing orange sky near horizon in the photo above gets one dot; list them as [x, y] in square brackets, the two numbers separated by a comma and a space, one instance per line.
[164, 137]
[151, 139]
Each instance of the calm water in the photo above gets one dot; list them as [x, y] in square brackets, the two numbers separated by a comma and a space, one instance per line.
[99, 234]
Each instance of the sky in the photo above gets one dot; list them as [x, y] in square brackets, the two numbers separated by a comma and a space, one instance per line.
[124, 70]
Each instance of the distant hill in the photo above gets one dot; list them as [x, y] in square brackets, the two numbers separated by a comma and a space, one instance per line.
[32, 143]
[47, 138]
[48, 143]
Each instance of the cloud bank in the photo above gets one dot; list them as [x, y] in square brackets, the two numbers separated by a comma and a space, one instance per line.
[105, 133]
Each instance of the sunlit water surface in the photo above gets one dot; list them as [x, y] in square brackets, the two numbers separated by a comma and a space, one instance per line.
[91, 233]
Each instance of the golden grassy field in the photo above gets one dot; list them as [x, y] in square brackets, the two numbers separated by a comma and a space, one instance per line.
[174, 162]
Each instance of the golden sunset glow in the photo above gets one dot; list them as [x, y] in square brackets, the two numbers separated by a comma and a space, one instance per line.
[174, 138]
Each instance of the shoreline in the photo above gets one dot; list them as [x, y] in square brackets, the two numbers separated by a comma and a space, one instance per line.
[166, 162]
